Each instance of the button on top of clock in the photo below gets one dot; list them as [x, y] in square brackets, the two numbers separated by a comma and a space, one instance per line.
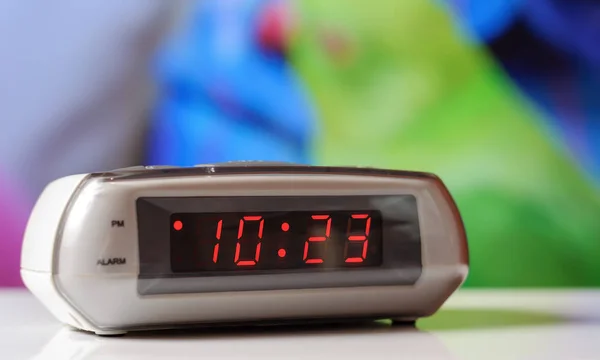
[219, 164]
[250, 163]
[146, 167]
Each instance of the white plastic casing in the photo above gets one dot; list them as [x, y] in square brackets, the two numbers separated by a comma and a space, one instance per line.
[37, 258]
[70, 230]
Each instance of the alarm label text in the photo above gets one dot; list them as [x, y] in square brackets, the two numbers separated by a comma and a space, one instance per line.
[113, 261]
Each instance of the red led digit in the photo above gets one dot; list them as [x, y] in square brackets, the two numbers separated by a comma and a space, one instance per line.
[238, 246]
[240, 229]
[364, 238]
[317, 239]
[216, 249]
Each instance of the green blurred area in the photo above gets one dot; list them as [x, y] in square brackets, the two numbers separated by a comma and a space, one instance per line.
[397, 86]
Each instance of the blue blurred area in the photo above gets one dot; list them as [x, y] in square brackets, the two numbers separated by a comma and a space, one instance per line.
[571, 25]
[485, 20]
[551, 49]
[224, 97]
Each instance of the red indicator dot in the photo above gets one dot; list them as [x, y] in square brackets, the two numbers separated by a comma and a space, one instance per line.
[177, 225]
[285, 226]
[281, 253]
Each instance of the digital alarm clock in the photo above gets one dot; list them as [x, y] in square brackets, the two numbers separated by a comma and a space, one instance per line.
[248, 242]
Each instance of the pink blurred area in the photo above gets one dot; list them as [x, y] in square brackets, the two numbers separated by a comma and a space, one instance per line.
[14, 209]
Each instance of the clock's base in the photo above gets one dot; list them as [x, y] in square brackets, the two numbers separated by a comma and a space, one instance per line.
[403, 322]
[110, 333]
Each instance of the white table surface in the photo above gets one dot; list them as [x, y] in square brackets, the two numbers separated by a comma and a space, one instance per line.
[472, 325]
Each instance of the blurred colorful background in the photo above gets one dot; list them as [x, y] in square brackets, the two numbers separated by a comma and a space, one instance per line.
[499, 98]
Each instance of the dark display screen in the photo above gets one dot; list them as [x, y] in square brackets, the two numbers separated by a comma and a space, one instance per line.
[275, 240]
[249, 243]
